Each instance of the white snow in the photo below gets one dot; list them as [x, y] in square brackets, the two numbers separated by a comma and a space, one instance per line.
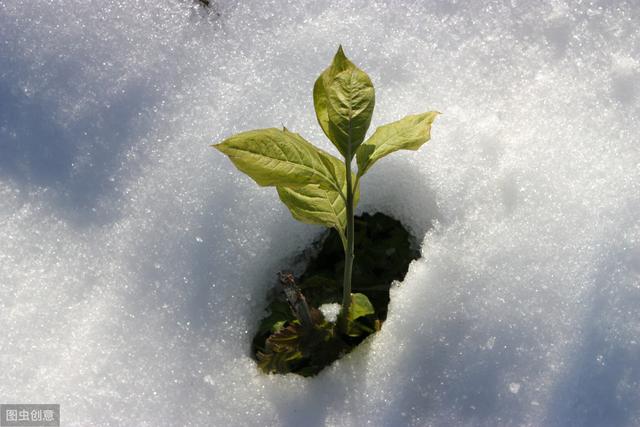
[135, 260]
[330, 311]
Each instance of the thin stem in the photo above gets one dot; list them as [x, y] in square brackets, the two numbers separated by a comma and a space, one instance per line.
[348, 252]
[355, 186]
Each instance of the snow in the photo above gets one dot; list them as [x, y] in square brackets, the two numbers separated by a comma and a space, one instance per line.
[330, 311]
[134, 259]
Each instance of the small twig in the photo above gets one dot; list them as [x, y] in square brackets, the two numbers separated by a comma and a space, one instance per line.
[296, 300]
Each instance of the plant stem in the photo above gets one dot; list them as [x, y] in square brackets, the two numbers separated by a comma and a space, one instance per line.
[348, 251]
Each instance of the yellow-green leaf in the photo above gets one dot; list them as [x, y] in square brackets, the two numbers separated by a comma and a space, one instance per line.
[340, 63]
[314, 205]
[274, 157]
[410, 133]
[360, 306]
[344, 99]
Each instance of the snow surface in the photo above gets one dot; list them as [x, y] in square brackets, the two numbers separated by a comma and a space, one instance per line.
[134, 259]
[330, 311]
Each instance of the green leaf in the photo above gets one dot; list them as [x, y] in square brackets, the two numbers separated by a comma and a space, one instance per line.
[410, 133]
[278, 326]
[274, 157]
[286, 339]
[282, 349]
[344, 99]
[360, 306]
[340, 63]
[278, 362]
[312, 204]
[280, 314]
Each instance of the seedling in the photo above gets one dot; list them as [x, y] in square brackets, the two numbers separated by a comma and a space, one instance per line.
[314, 184]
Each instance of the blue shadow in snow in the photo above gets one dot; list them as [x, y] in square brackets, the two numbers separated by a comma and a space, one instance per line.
[79, 160]
[600, 387]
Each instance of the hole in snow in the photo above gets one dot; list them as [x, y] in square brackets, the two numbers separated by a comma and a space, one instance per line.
[302, 339]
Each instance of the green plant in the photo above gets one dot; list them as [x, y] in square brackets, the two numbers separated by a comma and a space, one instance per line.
[314, 184]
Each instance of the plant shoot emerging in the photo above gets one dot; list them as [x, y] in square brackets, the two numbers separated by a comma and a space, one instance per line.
[317, 187]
